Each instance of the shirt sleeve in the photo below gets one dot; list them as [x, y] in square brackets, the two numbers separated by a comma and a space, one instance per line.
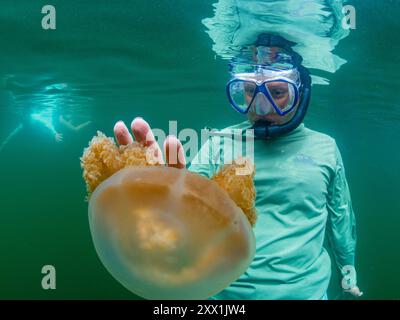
[341, 226]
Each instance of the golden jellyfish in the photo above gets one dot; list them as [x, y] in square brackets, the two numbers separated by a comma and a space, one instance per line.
[167, 233]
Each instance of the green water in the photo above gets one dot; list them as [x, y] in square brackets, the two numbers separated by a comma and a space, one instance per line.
[121, 59]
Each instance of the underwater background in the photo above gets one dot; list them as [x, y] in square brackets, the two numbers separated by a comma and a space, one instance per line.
[109, 61]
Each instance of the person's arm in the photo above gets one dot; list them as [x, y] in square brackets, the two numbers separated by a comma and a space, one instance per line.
[341, 226]
[70, 126]
[82, 125]
[46, 122]
[11, 135]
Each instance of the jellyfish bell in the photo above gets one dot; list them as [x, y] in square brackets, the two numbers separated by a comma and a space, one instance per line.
[167, 233]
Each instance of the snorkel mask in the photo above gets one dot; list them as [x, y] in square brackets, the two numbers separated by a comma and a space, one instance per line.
[277, 89]
[270, 80]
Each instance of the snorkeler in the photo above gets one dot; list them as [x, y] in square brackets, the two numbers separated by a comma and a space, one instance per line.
[302, 191]
[44, 119]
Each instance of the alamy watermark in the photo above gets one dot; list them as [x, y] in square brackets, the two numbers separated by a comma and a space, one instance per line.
[49, 20]
[49, 279]
[349, 19]
[212, 147]
[349, 280]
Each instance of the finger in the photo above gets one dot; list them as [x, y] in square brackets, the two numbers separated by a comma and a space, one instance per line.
[143, 133]
[174, 152]
[122, 134]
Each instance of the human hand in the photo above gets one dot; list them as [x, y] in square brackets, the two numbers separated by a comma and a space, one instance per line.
[355, 292]
[58, 137]
[173, 149]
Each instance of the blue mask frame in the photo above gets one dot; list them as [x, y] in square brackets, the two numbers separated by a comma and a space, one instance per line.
[260, 87]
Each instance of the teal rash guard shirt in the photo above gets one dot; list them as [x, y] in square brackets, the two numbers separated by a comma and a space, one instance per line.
[301, 196]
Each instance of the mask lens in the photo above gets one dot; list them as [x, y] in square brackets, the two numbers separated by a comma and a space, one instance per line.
[242, 93]
[282, 93]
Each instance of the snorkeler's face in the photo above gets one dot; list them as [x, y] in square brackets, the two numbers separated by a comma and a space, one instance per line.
[274, 118]
[271, 116]
[261, 108]
[265, 93]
